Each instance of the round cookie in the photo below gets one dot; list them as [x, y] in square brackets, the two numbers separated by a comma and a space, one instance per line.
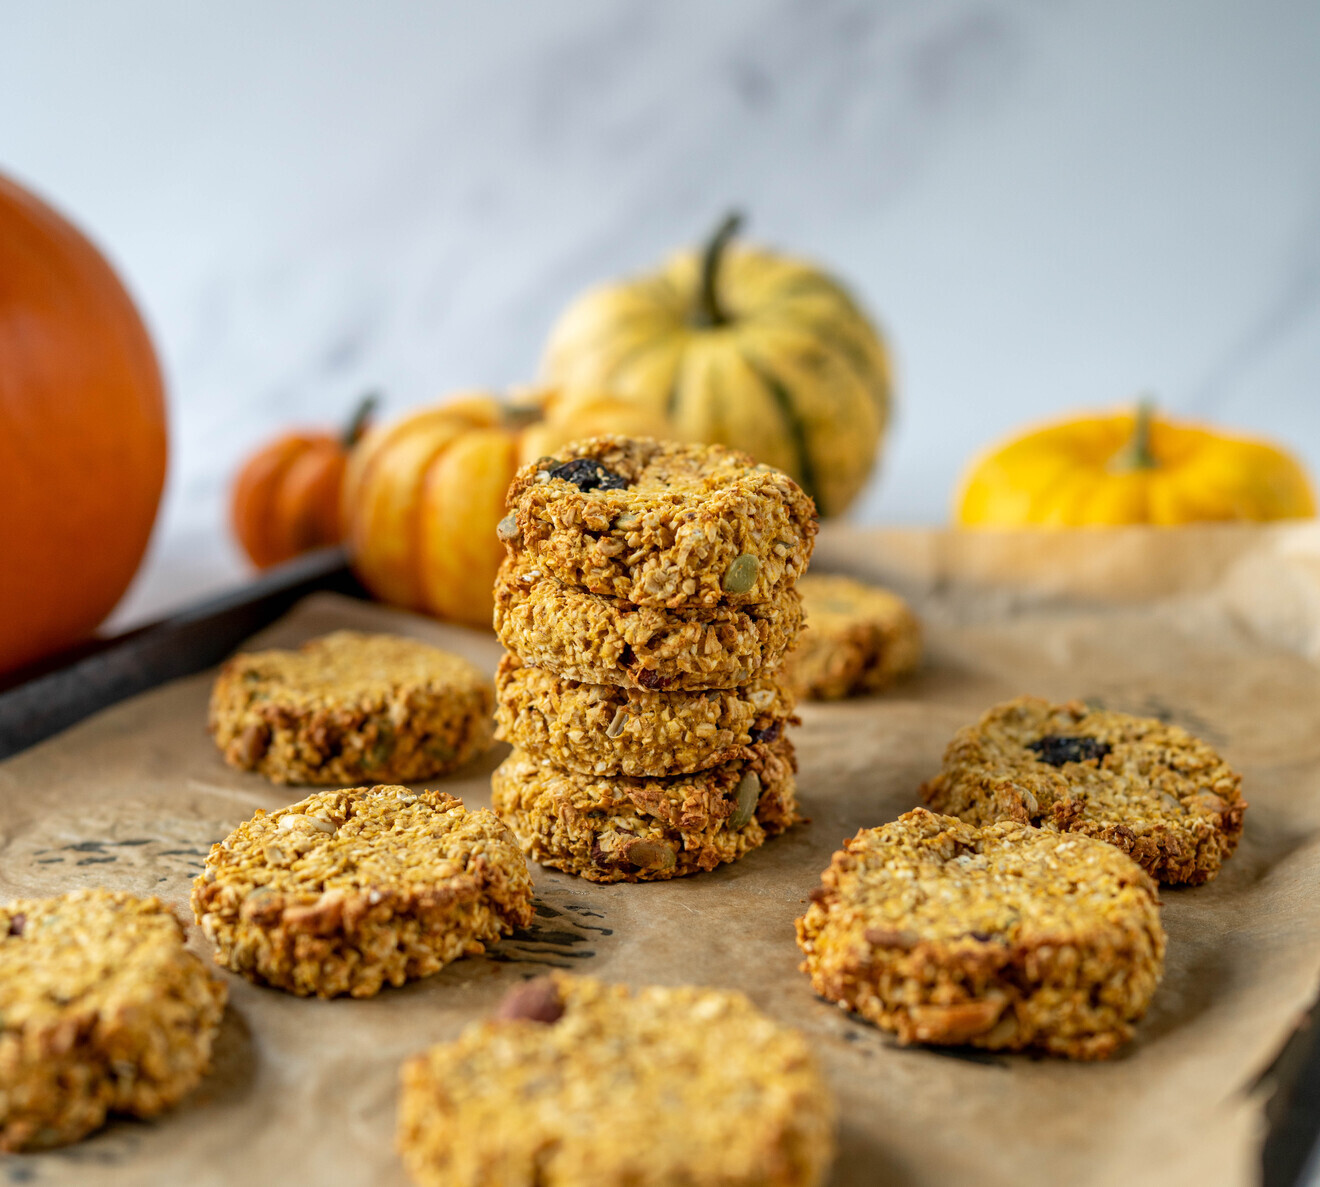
[857, 639]
[602, 640]
[351, 708]
[657, 523]
[347, 890]
[102, 1010]
[1154, 791]
[602, 729]
[1004, 938]
[576, 1082]
[622, 829]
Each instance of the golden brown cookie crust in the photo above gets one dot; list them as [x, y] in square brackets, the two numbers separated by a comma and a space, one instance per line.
[652, 1086]
[351, 708]
[1005, 938]
[857, 639]
[623, 829]
[346, 891]
[1157, 793]
[695, 525]
[602, 729]
[102, 1009]
[601, 640]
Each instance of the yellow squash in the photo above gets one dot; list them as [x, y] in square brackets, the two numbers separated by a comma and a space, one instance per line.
[422, 496]
[1130, 467]
[745, 348]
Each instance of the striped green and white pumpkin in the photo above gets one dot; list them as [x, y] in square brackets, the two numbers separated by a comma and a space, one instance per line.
[743, 347]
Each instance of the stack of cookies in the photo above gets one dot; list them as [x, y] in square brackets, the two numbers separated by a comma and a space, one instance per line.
[646, 602]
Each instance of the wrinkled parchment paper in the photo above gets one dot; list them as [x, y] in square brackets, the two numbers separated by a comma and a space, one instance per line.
[1217, 629]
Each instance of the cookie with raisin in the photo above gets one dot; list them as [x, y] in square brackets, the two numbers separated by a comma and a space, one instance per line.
[1149, 788]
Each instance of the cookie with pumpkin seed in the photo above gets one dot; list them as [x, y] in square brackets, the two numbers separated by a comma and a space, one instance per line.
[661, 524]
[346, 891]
[603, 640]
[1005, 937]
[102, 1010]
[1152, 789]
[623, 829]
[350, 708]
[603, 729]
[857, 639]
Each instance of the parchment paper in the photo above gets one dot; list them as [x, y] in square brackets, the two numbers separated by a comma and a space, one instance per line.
[1216, 629]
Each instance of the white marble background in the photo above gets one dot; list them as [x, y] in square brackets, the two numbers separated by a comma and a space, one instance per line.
[1047, 204]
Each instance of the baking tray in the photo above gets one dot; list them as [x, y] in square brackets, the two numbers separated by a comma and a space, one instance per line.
[42, 699]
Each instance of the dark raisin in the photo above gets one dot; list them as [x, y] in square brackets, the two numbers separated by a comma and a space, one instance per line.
[536, 1001]
[588, 474]
[648, 678]
[17, 923]
[1057, 749]
[769, 734]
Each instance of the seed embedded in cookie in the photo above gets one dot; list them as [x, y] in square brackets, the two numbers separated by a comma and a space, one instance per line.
[1152, 789]
[605, 729]
[346, 891]
[350, 708]
[102, 1010]
[857, 639]
[1005, 937]
[662, 524]
[623, 829]
[575, 1081]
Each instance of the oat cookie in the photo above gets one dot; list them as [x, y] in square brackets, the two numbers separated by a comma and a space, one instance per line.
[102, 1010]
[601, 640]
[578, 1082]
[1005, 937]
[351, 708]
[347, 890]
[661, 524]
[622, 829]
[1159, 794]
[602, 729]
[857, 639]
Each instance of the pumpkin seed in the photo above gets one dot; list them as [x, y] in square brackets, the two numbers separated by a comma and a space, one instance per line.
[382, 748]
[438, 749]
[651, 855]
[748, 793]
[615, 727]
[507, 528]
[742, 574]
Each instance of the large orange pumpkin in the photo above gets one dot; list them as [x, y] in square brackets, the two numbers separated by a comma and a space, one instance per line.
[82, 432]
[423, 496]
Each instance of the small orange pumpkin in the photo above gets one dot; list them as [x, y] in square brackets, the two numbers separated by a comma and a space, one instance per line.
[287, 496]
[82, 432]
[423, 496]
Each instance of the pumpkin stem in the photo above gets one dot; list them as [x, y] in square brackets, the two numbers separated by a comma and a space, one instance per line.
[1137, 455]
[366, 409]
[708, 312]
